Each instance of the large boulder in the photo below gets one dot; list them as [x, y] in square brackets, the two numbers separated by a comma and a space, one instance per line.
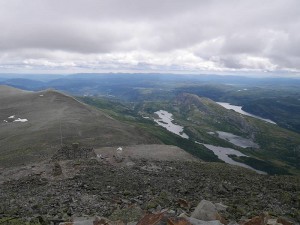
[206, 211]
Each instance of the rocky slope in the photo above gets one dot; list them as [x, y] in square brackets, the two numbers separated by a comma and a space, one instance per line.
[59, 190]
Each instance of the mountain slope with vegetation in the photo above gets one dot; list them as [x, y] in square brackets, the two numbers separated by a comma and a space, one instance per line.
[49, 119]
[278, 151]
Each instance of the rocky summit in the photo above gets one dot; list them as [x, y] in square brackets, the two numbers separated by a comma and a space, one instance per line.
[101, 190]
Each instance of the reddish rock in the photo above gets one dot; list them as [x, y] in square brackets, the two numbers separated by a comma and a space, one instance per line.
[254, 221]
[258, 220]
[178, 221]
[184, 203]
[151, 219]
[221, 219]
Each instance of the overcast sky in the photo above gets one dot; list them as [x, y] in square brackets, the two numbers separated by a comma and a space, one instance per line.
[226, 36]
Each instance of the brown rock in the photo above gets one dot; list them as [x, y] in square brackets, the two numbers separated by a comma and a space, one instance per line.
[184, 203]
[283, 221]
[178, 221]
[151, 219]
[258, 220]
[221, 219]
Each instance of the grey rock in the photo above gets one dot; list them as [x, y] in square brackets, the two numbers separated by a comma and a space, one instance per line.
[205, 210]
[220, 207]
[273, 222]
[81, 222]
[232, 223]
[57, 170]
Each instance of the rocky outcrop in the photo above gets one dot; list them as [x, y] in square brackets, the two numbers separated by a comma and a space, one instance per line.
[73, 152]
[57, 170]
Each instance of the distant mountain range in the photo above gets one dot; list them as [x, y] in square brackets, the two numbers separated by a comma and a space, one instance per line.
[277, 99]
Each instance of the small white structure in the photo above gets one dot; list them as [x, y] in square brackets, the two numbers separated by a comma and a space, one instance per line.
[118, 156]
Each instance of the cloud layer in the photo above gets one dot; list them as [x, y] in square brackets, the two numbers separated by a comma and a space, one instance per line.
[150, 35]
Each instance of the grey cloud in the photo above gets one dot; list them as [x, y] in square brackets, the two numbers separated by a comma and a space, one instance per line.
[231, 34]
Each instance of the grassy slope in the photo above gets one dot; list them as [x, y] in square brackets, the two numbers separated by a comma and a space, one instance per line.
[279, 148]
[47, 115]
[280, 104]
[130, 116]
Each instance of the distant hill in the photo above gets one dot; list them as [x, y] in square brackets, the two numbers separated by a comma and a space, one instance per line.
[269, 147]
[32, 125]
[275, 98]
[22, 83]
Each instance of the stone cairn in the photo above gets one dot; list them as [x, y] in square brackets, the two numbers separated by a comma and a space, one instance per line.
[73, 152]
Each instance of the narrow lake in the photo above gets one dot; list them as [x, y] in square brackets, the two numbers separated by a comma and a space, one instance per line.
[165, 120]
[223, 154]
[237, 140]
[238, 109]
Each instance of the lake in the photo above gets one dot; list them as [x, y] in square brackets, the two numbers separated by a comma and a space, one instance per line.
[236, 140]
[238, 109]
[165, 120]
[223, 154]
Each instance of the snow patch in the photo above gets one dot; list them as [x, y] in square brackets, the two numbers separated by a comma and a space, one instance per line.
[21, 120]
[15, 120]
